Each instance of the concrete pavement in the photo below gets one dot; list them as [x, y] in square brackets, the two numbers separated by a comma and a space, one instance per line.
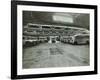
[55, 55]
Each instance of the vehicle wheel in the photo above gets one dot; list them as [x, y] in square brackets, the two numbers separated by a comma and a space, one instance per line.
[27, 44]
[87, 42]
[68, 41]
[75, 42]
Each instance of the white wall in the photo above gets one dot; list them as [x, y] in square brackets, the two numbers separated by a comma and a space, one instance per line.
[5, 29]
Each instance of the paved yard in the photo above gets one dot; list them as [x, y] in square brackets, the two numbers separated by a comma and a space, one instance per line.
[55, 55]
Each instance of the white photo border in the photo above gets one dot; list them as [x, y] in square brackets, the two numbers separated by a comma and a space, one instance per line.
[22, 8]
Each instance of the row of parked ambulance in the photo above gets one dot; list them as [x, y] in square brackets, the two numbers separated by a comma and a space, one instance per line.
[74, 35]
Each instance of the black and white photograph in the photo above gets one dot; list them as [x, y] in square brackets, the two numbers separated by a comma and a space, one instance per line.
[53, 39]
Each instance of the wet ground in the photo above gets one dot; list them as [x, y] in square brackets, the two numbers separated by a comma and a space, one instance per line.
[55, 55]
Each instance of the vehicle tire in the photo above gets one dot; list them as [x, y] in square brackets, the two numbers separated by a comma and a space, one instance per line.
[87, 42]
[27, 44]
[75, 43]
[68, 41]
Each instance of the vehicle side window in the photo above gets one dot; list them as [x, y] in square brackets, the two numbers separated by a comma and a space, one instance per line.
[81, 37]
